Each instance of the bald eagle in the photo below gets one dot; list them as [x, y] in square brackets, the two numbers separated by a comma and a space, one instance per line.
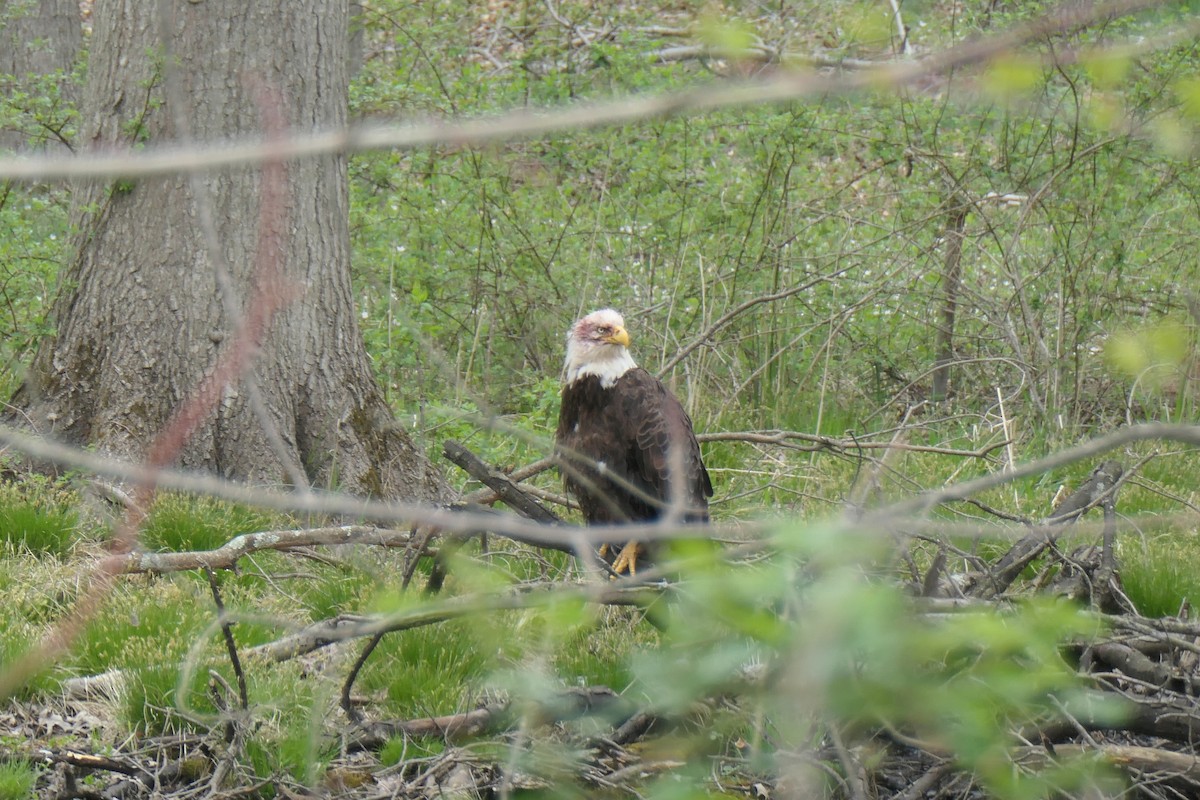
[624, 444]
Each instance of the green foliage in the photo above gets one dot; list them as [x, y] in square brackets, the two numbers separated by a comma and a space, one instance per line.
[495, 248]
[17, 779]
[1011, 77]
[1162, 347]
[844, 650]
[31, 252]
[37, 108]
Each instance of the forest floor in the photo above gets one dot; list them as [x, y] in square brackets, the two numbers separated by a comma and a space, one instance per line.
[594, 741]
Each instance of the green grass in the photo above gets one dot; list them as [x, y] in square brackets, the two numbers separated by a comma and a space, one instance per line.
[189, 523]
[37, 590]
[404, 748]
[17, 779]
[1159, 572]
[429, 671]
[149, 703]
[599, 654]
[38, 520]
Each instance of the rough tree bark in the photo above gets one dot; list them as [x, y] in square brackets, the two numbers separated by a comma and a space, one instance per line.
[39, 41]
[141, 316]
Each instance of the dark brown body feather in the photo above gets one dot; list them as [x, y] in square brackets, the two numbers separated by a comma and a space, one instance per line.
[639, 432]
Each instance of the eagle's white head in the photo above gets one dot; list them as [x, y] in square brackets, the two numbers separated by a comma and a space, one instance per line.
[598, 345]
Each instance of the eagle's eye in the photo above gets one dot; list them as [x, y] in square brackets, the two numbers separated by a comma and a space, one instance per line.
[605, 330]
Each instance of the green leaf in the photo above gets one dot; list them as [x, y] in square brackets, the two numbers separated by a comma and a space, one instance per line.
[1171, 135]
[419, 293]
[1188, 93]
[1134, 353]
[1107, 69]
[731, 37]
[1010, 76]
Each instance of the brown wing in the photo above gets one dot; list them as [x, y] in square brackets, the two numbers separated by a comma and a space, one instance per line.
[591, 447]
[663, 456]
[616, 448]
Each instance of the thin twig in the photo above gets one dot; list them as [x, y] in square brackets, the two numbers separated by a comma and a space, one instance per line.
[347, 705]
[777, 87]
[230, 644]
[322, 634]
[820, 442]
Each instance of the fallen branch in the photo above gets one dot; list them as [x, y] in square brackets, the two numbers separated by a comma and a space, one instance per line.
[1099, 489]
[451, 727]
[505, 488]
[487, 496]
[1166, 764]
[561, 706]
[343, 628]
[227, 555]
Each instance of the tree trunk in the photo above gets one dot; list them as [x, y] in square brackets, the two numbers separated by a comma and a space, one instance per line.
[140, 318]
[951, 283]
[39, 42]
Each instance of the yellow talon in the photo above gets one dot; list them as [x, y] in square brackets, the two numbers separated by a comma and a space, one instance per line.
[627, 559]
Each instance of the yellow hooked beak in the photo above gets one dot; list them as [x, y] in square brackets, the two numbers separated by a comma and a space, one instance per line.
[619, 336]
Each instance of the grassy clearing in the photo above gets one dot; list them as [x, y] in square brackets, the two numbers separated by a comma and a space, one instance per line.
[160, 633]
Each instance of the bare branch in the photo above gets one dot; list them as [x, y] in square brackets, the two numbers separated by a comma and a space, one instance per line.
[488, 496]
[820, 442]
[505, 487]
[227, 555]
[340, 629]
[778, 87]
[922, 503]
[451, 521]
[1131, 758]
[560, 706]
[738, 310]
